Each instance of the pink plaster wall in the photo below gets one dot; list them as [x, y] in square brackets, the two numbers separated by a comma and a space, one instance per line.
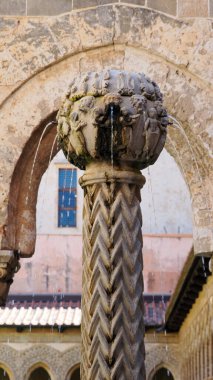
[56, 264]
[164, 256]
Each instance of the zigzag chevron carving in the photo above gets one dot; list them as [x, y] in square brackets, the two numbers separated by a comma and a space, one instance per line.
[112, 303]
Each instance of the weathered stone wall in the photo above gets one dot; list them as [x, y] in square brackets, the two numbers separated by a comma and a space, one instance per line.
[187, 354]
[60, 352]
[18, 356]
[40, 56]
[196, 337]
[162, 350]
[179, 8]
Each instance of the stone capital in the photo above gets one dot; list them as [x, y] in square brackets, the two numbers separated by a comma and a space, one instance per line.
[105, 173]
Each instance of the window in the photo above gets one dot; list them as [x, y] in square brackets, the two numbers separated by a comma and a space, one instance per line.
[39, 374]
[4, 375]
[67, 193]
[150, 312]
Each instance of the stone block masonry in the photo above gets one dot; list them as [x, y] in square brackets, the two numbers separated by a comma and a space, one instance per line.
[47, 7]
[211, 8]
[136, 2]
[178, 55]
[169, 7]
[79, 4]
[193, 8]
[13, 7]
[178, 8]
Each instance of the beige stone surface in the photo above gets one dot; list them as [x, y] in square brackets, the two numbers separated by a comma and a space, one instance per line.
[181, 352]
[169, 7]
[53, 7]
[192, 8]
[18, 359]
[164, 354]
[196, 336]
[43, 54]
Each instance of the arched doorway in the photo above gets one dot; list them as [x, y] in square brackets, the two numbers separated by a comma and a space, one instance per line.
[180, 143]
[3, 374]
[163, 374]
[39, 374]
[75, 375]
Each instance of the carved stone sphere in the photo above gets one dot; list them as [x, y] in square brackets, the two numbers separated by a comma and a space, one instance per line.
[114, 116]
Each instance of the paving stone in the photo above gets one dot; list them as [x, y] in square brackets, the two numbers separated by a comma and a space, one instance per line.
[211, 8]
[136, 2]
[193, 8]
[48, 7]
[13, 7]
[77, 4]
[163, 6]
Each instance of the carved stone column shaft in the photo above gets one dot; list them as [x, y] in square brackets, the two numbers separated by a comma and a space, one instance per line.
[112, 124]
[112, 297]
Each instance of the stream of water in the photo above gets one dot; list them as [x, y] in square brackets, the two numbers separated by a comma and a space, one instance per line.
[112, 135]
[35, 158]
[52, 148]
[177, 125]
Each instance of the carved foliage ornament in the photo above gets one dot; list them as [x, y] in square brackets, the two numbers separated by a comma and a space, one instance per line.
[112, 115]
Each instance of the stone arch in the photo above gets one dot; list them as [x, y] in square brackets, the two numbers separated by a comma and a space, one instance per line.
[36, 366]
[39, 355]
[70, 360]
[72, 370]
[21, 232]
[157, 356]
[8, 360]
[8, 370]
[187, 97]
[158, 367]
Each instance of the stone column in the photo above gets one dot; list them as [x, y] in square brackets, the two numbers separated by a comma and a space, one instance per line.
[112, 297]
[112, 124]
[9, 265]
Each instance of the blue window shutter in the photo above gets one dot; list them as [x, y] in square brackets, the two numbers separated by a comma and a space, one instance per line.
[67, 196]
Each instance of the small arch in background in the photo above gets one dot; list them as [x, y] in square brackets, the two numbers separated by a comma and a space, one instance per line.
[74, 374]
[163, 374]
[39, 373]
[3, 374]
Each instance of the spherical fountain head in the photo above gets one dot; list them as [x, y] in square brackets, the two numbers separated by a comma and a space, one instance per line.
[112, 115]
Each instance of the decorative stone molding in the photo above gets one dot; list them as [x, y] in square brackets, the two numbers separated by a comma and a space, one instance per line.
[163, 355]
[113, 116]
[196, 337]
[9, 265]
[21, 361]
[52, 7]
[9, 358]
